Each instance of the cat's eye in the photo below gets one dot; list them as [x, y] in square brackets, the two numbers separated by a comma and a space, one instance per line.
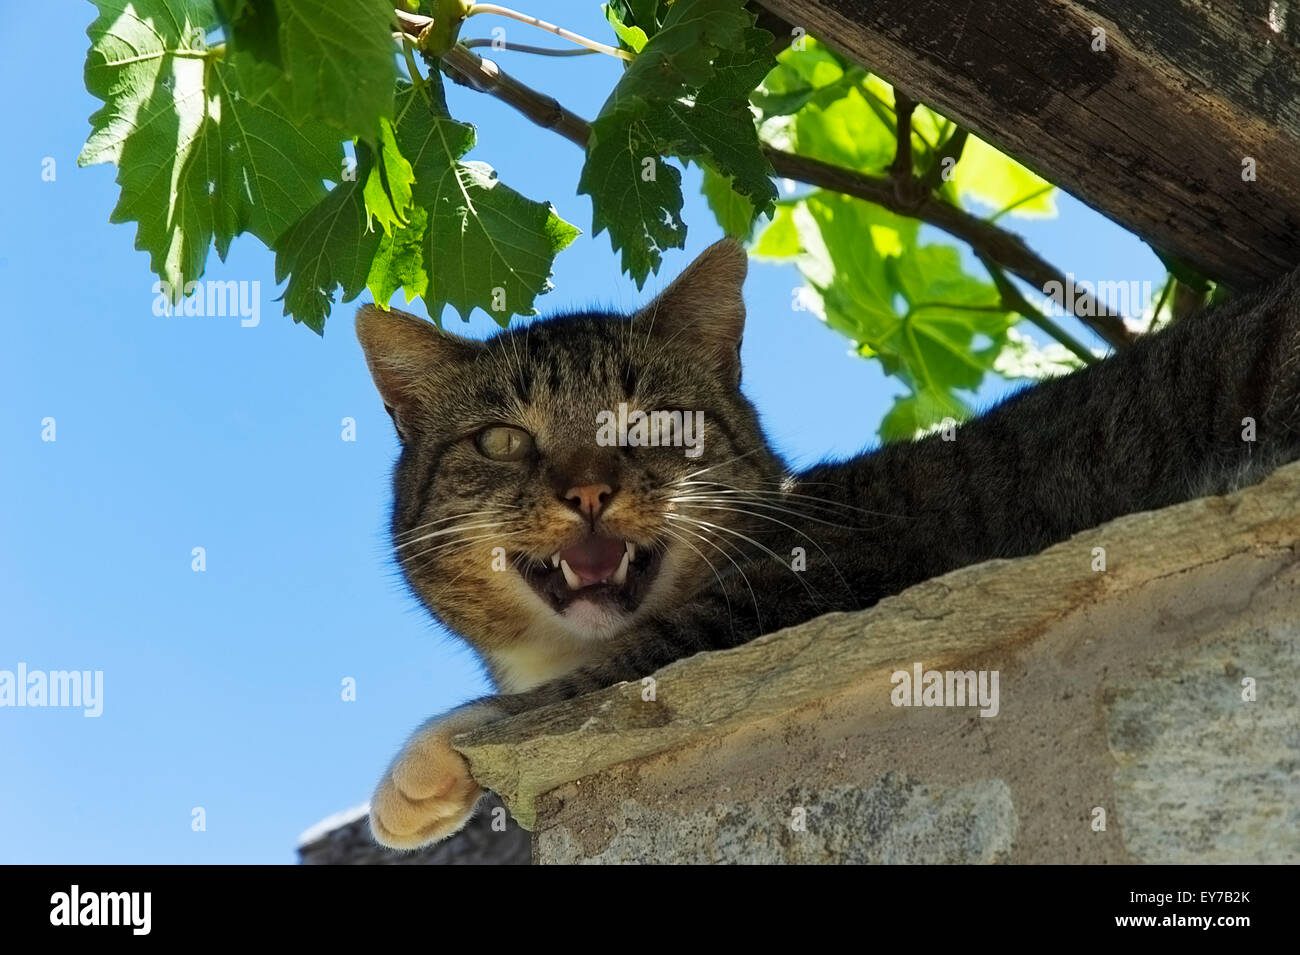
[503, 443]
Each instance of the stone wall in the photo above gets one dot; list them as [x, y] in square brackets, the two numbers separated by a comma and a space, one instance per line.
[1147, 712]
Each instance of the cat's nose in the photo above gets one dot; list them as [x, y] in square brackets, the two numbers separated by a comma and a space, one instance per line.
[589, 499]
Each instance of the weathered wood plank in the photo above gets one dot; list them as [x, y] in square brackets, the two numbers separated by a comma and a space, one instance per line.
[1152, 131]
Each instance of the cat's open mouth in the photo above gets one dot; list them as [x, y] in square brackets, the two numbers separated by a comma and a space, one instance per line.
[597, 568]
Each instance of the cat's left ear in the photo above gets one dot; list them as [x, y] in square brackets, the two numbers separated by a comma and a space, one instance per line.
[410, 359]
[703, 308]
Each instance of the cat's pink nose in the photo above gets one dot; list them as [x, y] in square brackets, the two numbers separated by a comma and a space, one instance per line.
[589, 499]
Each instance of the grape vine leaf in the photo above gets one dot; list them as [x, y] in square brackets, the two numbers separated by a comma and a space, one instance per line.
[483, 244]
[910, 306]
[734, 212]
[388, 186]
[339, 58]
[686, 94]
[802, 75]
[468, 240]
[200, 158]
[997, 180]
[332, 245]
[399, 260]
[253, 26]
[645, 13]
[630, 36]
[780, 239]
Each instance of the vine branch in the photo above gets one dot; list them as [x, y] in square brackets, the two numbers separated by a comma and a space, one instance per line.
[523, 47]
[533, 21]
[1014, 301]
[901, 169]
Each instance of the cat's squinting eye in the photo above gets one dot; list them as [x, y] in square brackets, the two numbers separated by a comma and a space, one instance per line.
[503, 443]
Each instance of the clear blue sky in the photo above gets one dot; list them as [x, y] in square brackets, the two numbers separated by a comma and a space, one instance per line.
[222, 688]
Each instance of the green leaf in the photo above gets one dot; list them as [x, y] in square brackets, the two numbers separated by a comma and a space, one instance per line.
[207, 146]
[800, 76]
[780, 239]
[388, 187]
[331, 245]
[636, 195]
[630, 36]
[467, 240]
[399, 261]
[686, 94]
[914, 415]
[845, 131]
[997, 180]
[719, 127]
[645, 14]
[341, 60]
[254, 27]
[911, 307]
[681, 53]
[479, 243]
[734, 212]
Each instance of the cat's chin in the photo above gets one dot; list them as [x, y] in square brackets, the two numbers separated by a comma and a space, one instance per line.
[593, 619]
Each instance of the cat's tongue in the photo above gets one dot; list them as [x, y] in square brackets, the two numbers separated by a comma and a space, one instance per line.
[594, 559]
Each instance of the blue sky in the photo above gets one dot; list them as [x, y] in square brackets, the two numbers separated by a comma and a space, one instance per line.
[222, 688]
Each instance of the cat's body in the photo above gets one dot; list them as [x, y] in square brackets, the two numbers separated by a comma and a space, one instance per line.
[503, 474]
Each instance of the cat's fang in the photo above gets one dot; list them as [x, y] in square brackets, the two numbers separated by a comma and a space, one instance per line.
[620, 575]
[570, 576]
[631, 555]
[555, 560]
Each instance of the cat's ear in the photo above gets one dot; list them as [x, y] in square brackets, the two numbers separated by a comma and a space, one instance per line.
[704, 309]
[408, 357]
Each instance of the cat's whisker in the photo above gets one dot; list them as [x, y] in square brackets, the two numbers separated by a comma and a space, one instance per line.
[428, 556]
[445, 586]
[484, 512]
[448, 544]
[460, 528]
[722, 586]
[767, 517]
[792, 495]
[806, 510]
[732, 460]
[735, 533]
[688, 499]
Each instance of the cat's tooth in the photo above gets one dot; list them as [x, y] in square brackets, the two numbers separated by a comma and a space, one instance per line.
[631, 550]
[555, 560]
[620, 575]
[570, 576]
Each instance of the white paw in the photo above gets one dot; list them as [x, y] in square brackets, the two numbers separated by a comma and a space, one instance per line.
[427, 793]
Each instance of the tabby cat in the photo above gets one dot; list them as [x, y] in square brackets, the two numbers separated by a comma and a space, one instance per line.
[570, 562]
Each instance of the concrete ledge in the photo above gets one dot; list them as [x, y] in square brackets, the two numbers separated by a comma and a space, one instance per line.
[1121, 702]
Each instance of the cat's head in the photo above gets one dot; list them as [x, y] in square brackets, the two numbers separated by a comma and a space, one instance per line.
[536, 512]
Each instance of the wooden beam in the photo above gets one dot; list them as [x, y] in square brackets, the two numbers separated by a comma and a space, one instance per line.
[1154, 131]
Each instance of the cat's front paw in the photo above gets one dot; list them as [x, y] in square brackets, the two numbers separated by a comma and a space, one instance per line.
[427, 794]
